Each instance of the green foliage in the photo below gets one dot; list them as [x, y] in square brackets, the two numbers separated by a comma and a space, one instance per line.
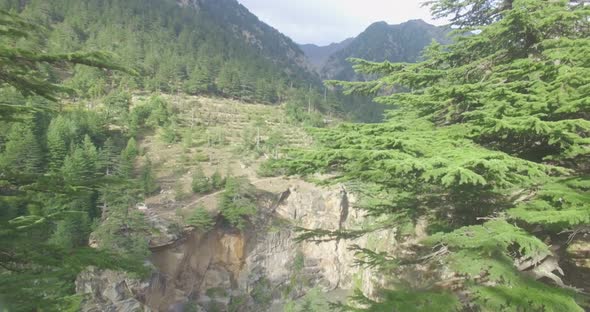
[238, 202]
[217, 181]
[313, 301]
[262, 293]
[179, 191]
[238, 303]
[58, 137]
[117, 105]
[201, 219]
[179, 48]
[81, 166]
[570, 196]
[201, 157]
[24, 68]
[297, 113]
[488, 144]
[147, 178]
[406, 300]
[22, 153]
[52, 172]
[47, 216]
[169, 133]
[127, 159]
[200, 183]
[124, 229]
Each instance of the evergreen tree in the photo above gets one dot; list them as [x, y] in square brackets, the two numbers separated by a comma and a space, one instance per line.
[200, 183]
[488, 148]
[238, 202]
[217, 181]
[201, 219]
[228, 81]
[127, 159]
[148, 183]
[57, 142]
[22, 153]
[117, 105]
[108, 157]
[81, 166]
[200, 79]
[23, 68]
[38, 261]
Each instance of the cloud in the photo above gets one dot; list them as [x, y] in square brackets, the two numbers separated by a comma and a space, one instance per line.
[327, 21]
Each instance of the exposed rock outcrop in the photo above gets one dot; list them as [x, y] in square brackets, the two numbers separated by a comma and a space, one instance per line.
[578, 262]
[253, 268]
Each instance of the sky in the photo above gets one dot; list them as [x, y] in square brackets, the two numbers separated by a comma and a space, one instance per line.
[325, 21]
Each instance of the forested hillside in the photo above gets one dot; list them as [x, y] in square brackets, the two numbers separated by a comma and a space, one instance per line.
[483, 169]
[62, 176]
[197, 47]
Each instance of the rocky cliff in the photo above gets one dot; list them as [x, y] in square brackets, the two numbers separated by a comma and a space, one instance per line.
[253, 270]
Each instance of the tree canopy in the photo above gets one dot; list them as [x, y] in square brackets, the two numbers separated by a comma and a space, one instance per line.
[52, 177]
[488, 145]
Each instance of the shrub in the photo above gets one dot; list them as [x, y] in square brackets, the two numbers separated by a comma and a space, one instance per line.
[200, 183]
[237, 202]
[201, 219]
[217, 181]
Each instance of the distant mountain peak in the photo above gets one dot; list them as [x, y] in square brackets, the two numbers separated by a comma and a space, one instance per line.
[318, 55]
[377, 25]
[416, 21]
[383, 42]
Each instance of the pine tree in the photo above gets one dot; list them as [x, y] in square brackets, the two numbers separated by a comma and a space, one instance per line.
[127, 159]
[200, 79]
[217, 181]
[237, 203]
[22, 68]
[201, 219]
[108, 157]
[57, 142]
[22, 153]
[200, 183]
[38, 264]
[148, 183]
[488, 146]
[228, 81]
[81, 167]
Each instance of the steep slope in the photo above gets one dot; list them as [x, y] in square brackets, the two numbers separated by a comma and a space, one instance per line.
[201, 46]
[318, 55]
[383, 42]
[245, 26]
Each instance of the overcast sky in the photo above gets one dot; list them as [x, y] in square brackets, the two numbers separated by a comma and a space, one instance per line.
[325, 21]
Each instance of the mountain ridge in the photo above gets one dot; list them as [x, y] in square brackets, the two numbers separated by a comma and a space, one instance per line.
[379, 42]
[317, 55]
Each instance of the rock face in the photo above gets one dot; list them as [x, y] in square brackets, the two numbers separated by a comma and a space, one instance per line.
[578, 262]
[225, 269]
[110, 291]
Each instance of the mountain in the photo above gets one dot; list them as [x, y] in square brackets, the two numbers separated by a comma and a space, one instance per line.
[199, 46]
[318, 55]
[245, 26]
[383, 42]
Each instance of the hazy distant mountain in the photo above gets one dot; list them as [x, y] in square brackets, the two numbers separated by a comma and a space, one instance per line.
[379, 42]
[318, 55]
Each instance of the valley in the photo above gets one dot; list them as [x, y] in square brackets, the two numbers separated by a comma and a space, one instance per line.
[186, 156]
[219, 268]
